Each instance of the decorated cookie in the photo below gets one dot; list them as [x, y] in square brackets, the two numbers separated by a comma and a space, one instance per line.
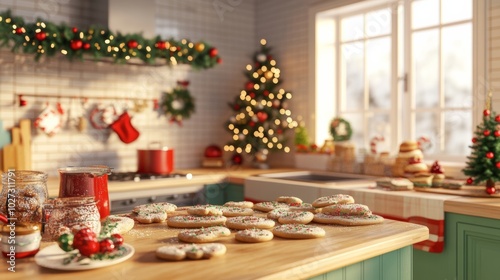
[236, 211]
[277, 213]
[353, 209]
[118, 224]
[254, 235]
[203, 235]
[190, 251]
[305, 207]
[298, 231]
[205, 210]
[191, 221]
[333, 199]
[348, 220]
[290, 200]
[149, 213]
[167, 207]
[241, 204]
[269, 205]
[294, 217]
[246, 222]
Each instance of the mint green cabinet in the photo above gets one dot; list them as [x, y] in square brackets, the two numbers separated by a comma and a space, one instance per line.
[472, 251]
[221, 193]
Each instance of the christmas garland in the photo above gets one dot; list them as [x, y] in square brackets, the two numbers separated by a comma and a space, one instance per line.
[44, 38]
[178, 104]
[340, 129]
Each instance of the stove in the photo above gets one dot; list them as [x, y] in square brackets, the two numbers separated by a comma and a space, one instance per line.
[124, 202]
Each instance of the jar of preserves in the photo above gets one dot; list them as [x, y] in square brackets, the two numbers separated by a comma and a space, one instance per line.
[68, 215]
[23, 194]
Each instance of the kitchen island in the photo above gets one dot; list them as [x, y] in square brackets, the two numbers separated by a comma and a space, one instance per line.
[382, 251]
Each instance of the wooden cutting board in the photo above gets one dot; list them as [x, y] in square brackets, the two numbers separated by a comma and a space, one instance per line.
[25, 127]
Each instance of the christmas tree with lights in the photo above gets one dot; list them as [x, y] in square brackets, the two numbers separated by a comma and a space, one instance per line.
[484, 162]
[261, 115]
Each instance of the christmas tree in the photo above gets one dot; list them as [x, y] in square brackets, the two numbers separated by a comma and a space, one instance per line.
[484, 162]
[261, 115]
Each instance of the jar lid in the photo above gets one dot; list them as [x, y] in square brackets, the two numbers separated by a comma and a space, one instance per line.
[96, 170]
[19, 229]
[69, 201]
[23, 176]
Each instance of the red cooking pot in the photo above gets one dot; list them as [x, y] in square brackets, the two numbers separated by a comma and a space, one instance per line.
[155, 161]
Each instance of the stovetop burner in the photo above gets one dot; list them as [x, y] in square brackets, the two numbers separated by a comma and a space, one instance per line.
[134, 176]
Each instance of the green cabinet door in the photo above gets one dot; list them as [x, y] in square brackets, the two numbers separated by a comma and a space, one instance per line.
[221, 193]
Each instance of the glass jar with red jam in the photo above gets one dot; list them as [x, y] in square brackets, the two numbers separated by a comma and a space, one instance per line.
[84, 182]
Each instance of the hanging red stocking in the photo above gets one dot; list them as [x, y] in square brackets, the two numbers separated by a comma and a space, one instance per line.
[123, 127]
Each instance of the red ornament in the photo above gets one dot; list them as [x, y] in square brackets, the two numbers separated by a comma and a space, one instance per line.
[86, 46]
[470, 181]
[486, 112]
[40, 36]
[19, 30]
[251, 123]
[237, 159]
[490, 155]
[219, 60]
[161, 45]
[183, 83]
[249, 85]
[496, 133]
[497, 118]
[213, 151]
[486, 132]
[106, 246]
[213, 52]
[261, 116]
[74, 29]
[132, 44]
[498, 164]
[265, 92]
[474, 140]
[252, 94]
[491, 190]
[85, 240]
[75, 44]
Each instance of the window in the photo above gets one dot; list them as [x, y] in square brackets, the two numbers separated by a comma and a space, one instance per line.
[398, 71]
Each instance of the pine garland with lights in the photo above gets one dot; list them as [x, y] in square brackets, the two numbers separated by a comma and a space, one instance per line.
[178, 104]
[484, 162]
[261, 115]
[44, 38]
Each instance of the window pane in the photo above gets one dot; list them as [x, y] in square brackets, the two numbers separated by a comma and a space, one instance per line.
[427, 125]
[352, 28]
[378, 23]
[458, 132]
[353, 74]
[424, 13]
[425, 51]
[378, 64]
[457, 65]
[379, 126]
[456, 10]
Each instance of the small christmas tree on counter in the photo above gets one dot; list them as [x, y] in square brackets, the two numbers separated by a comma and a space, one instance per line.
[261, 115]
[484, 162]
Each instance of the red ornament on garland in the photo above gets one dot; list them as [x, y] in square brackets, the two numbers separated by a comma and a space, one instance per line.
[213, 151]
[497, 133]
[486, 112]
[265, 92]
[498, 165]
[74, 29]
[161, 45]
[75, 44]
[86, 46]
[20, 30]
[251, 123]
[486, 132]
[497, 118]
[474, 140]
[491, 190]
[470, 181]
[40, 36]
[249, 86]
[213, 52]
[490, 155]
[132, 44]
[252, 94]
[261, 116]
[237, 159]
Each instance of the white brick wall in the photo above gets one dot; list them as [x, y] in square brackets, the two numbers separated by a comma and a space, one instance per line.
[232, 32]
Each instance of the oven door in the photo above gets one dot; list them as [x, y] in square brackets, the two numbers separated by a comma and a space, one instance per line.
[124, 202]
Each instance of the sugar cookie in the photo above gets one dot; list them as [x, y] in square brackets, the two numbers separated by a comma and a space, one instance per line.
[203, 235]
[246, 222]
[276, 213]
[205, 210]
[269, 205]
[119, 224]
[254, 235]
[290, 200]
[348, 220]
[191, 251]
[241, 204]
[353, 209]
[191, 221]
[236, 211]
[168, 207]
[305, 207]
[294, 217]
[298, 231]
[149, 213]
[333, 199]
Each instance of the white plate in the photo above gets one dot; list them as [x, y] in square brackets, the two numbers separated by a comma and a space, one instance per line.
[53, 256]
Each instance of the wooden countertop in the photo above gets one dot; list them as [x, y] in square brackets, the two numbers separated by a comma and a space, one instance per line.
[276, 259]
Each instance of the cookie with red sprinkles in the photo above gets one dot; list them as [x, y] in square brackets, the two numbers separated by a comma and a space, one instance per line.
[190, 221]
[298, 231]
